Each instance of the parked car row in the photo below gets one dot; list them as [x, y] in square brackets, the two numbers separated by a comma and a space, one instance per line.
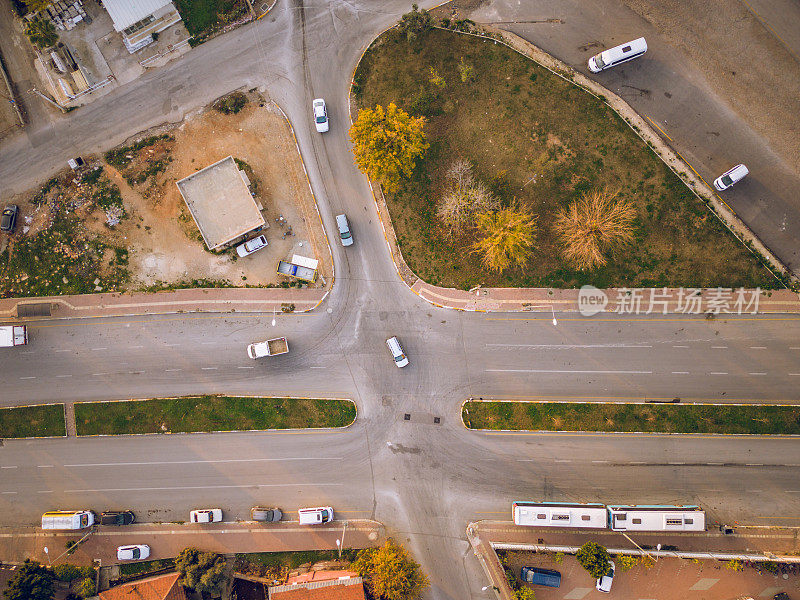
[552, 578]
[634, 49]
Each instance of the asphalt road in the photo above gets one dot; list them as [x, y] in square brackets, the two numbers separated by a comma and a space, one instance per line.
[425, 481]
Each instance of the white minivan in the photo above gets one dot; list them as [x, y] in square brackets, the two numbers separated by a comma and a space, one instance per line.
[67, 519]
[344, 230]
[400, 359]
[617, 55]
[315, 516]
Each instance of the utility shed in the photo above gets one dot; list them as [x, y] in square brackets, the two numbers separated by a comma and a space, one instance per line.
[221, 203]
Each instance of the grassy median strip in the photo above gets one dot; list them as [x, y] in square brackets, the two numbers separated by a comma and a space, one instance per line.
[210, 413]
[46, 420]
[756, 419]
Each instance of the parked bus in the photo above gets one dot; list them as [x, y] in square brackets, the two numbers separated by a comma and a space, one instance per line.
[656, 517]
[560, 514]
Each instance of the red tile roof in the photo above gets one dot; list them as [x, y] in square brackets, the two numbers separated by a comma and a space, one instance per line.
[163, 587]
[334, 589]
[320, 576]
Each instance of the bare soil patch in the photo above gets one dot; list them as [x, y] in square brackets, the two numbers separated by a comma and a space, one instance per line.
[161, 244]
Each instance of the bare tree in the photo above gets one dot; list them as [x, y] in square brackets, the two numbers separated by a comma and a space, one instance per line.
[464, 198]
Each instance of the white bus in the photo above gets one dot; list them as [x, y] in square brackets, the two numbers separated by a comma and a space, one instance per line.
[617, 55]
[656, 517]
[67, 519]
[560, 514]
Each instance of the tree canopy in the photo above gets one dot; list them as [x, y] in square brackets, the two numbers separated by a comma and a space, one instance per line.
[594, 558]
[37, 5]
[507, 237]
[204, 572]
[387, 144]
[31, 582]
[41, 32]
[390, 573]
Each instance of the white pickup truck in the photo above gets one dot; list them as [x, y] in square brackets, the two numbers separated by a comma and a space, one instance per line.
[268, 348]
[13, 335]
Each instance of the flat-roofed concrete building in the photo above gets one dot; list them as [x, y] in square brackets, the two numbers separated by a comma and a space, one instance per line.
[219, 199]
[138, 20]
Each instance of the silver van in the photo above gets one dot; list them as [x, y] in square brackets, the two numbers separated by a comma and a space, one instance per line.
[400, 359]
[617, 55]
[344, 230]
[315, 516]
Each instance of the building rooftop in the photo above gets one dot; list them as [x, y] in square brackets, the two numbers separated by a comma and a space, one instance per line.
[220, 202]
[162, 587]
[125, 13]
[350, 588]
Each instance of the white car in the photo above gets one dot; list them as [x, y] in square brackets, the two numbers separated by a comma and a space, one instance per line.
[727, 179]
[134, 552]
[320, 115]
[206, 515]
[250, 246]
[604, 583]
[400, 359]
[315, 516]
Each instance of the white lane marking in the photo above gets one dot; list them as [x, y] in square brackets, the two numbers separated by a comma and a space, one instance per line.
[758, 347]
[31, 377]
[45, 466]
[565, 371]
[135, 346]
[59, 376]
[754, 464]
[11, 467]
[69, 350]
[680, 346]
[172, 344]
[45, 492]
[676, 463]
[715, 464]
[209, 368]
[252, 367]
[562, 460]
[759, 373]
[318, 367]
[98, 374]
[599, 461]
[172, 370]
[794, 374]
[202, 487]
[570, 346]
[719, 347]
[8, 492]
[718, 373]
[680, 372]
[207, 343]
[192, 462]
[99, 348]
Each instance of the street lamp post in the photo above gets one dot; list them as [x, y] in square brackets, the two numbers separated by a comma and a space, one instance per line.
[47, 552]
[552, 310]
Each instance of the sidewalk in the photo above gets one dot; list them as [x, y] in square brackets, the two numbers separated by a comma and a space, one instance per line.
[171, 302]
[167, 539]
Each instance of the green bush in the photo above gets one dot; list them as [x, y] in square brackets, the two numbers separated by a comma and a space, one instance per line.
[231, 104]
[67, 572]
[594, 558]
[87, 588]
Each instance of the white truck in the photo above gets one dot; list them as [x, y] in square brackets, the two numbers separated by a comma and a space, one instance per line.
[300, 267]
[13, 335]
[268, 348]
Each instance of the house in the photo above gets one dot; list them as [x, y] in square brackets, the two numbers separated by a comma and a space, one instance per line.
[343, 588]
[138, 20]
[161, 587]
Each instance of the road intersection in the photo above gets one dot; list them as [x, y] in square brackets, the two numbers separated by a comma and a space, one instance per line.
[424, 480]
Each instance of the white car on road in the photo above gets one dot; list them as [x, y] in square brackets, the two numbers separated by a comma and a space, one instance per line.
[728, 178]
[320, 115]
[134, 552]
[206, 515]
[250, 246]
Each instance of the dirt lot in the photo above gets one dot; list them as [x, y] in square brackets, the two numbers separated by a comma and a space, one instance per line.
[164, 246]
[667, 579]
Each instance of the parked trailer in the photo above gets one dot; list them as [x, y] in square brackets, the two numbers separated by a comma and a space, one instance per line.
[300, 267]
[560, 514]
[656, 517]
[13, 335]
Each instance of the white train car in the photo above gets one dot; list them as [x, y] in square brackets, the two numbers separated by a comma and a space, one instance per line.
[560, 514]
[656, 517]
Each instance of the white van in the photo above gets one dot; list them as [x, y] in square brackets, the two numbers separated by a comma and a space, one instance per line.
[315, 516]
[400, 359]
[618, 54]
[67, 519]
[344, 230]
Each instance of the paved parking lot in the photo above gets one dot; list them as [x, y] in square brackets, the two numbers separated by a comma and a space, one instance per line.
[667, 579]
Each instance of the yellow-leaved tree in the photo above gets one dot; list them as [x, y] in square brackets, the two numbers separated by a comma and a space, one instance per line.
[506, 237]
[387, 144]
[390, 573]
[593, 225]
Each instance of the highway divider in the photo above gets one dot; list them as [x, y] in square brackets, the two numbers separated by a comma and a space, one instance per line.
[35, 421]
[629, 417]
[211, 413]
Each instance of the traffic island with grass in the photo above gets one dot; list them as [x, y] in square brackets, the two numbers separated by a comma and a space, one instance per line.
[505, 133]
[757, 419]
[210, 413]
[45, 420]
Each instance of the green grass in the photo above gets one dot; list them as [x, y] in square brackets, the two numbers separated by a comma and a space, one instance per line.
[148, 566]
[210, 413]
[32, 421]
[651, 418]
[203, 16]
[516, 121]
